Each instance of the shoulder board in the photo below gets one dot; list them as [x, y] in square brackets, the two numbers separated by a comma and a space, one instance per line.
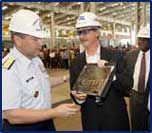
[8, 63]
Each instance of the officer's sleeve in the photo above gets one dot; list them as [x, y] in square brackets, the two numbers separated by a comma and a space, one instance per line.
[11, 90]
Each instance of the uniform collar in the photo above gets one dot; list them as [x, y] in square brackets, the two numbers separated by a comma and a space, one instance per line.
[25, 62]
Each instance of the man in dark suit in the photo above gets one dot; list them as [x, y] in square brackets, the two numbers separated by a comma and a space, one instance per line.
[137, 69]
[99, 114]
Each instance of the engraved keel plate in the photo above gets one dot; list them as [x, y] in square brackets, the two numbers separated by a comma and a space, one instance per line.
[94, 80]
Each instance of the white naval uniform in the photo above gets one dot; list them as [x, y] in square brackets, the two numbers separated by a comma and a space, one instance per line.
[26, 84]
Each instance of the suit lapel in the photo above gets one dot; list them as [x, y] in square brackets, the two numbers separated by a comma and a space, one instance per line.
[134, 57]
[104, 54]
[148, 84]
[107, 55]
[82, 60]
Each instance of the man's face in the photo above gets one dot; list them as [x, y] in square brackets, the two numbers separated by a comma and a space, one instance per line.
[144, 44]
[30, 46]
[87, 36]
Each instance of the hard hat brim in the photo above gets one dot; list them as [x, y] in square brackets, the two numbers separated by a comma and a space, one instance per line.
[37, 34]
[141, 36]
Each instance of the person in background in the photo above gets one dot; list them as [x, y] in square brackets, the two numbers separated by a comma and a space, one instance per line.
[5, 51]
[52, 56]
[66, 57]
[26, 99]
[137, 68]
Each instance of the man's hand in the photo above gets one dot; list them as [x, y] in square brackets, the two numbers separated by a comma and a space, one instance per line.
[79, 95]
[30, 116]
[102, 63]
[66, 110]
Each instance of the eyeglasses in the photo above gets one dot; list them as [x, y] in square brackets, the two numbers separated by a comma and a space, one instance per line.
[85, 32]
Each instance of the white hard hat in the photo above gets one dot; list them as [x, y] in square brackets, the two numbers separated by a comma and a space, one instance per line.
[87, 19]
[26, 22]
[144, 32]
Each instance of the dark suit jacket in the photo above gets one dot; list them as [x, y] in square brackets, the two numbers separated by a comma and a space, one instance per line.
[129, 66]
[114, 106]
[113, 57]
[138, 101]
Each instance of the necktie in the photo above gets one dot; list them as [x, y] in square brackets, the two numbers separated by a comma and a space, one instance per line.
[141, 81]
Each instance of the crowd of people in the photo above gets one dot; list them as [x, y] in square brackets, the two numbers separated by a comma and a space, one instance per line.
[58, 57]
[61, 57]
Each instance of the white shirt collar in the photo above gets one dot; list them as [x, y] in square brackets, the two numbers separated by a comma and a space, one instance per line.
[96, 53]
[25, 62]
[137, 68]
[146, 53]
[93, 58]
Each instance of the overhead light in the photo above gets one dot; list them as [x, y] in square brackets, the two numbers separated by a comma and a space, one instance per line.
[79, 3]
[102, 8]
[37, 12]
[57, 3]
[116, 4]
[57, 11]
[4, 7]
[68, 18]
[11, 3]
[113, 13]
[9, 17]
[48, 15]
[6, 33]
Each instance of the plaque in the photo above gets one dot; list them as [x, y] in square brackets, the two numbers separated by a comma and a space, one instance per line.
[94, 80]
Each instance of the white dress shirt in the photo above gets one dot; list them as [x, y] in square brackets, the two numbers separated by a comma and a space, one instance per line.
[137, 68]
[93, 58]
[149, 102]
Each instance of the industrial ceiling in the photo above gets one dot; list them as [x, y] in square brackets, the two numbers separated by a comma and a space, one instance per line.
[66, 13]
